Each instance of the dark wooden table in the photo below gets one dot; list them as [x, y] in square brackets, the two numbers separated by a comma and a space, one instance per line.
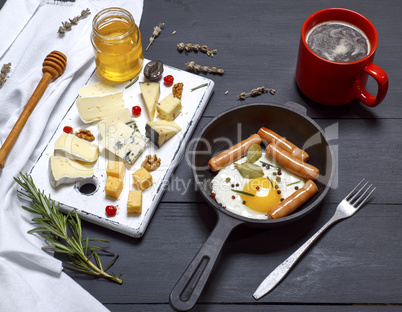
[356, 265]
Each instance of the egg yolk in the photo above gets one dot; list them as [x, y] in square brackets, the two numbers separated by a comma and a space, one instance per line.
[266, 196]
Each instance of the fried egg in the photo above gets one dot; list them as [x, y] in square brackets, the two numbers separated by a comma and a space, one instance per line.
[230, 188]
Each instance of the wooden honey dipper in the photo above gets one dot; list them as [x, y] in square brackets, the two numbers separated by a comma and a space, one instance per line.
[53, 66]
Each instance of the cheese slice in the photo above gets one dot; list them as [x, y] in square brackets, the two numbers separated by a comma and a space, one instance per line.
[150, 93]
[169, 108]
[161, 131]
[124, 142]
[75, 148]
[64, 170]
[99, 88]
[124, 115]
[97, 107]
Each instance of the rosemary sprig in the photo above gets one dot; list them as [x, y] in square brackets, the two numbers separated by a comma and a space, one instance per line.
[132, 82]
[272, 185]
[292, 183]
[199, 87]
[242, 192]
[267, 164]
[53, 226]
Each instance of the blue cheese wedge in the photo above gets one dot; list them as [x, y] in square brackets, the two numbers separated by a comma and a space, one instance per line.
[169, 108]
[123, 141]
[93, 108]
[124, 115]
[75, 148]
[64, 170]
[150, 93]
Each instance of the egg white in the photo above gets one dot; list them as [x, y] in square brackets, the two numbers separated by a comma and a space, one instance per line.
[232, 201]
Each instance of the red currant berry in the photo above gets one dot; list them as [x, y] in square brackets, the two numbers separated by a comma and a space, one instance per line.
[168, 80]
[233, 197]
[136, 110]
[111, 210]
[213, 195]
[257, 188]
[68, 129]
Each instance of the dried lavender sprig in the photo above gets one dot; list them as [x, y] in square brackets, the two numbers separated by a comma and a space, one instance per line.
[197, 68]
[66, 26]
[195, 47]
[156, 32]
[255, 92]
[4, 71]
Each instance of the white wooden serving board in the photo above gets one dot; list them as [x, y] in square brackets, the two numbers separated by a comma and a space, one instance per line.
[92, 207]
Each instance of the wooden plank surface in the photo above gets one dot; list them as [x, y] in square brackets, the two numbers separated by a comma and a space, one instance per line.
[356, 265]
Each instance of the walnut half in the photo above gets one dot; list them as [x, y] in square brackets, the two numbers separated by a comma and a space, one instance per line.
[85, 134]
[177, 90]
[151, 163]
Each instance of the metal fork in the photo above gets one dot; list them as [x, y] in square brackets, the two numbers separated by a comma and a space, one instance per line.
[346, 208]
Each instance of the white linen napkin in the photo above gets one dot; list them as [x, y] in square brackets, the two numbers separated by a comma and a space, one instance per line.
[31, 279]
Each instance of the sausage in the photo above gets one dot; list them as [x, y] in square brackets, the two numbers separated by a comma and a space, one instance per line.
[234, 153]
[294, 201]
[270, 136]
[291, 163]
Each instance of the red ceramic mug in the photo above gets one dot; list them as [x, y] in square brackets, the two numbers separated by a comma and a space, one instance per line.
[338, 83]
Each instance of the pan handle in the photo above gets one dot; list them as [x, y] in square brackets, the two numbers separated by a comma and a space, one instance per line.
[190, 285]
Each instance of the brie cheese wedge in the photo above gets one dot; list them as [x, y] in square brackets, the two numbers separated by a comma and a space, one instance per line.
[64, 170]
[76, 148]
[97, 107]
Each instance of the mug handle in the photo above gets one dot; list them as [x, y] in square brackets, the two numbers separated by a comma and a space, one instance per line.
[382, 80]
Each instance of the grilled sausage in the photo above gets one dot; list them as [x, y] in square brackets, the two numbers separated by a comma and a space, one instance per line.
[294, 201]
[291, 163]
[234, 153]
[270, 136]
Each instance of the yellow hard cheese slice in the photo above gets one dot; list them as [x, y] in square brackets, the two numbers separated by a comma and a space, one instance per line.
[116, 169]
[97, 107]
[142, 179]
[150, 93]
[113, 187]
[161, 131]
[134, 203]
[169, 108]
[76, 148]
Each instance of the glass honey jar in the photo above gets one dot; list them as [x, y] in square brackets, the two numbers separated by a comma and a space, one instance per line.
[116, 40]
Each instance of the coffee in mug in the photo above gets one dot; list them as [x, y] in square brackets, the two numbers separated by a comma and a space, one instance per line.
[336, 53]
[337, 41]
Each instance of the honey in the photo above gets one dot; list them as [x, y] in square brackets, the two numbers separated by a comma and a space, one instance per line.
[116, 40]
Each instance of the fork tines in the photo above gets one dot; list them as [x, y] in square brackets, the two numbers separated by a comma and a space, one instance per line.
[357, 202]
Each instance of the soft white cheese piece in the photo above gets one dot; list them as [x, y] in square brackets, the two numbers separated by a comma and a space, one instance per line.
[99, 88]
[64, 170]
[76, 148]
[150, 93]
[97, 107]
[124, 115]
[123, 141]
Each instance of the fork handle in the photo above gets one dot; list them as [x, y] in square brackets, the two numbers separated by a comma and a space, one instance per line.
[283, 269]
